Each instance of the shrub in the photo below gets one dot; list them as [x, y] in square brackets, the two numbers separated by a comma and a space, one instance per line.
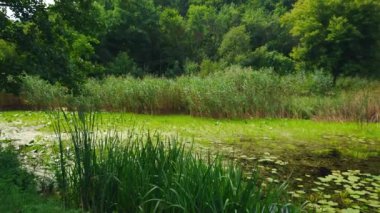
[18, 187]
[207, 67]
[11, 173]
[124, 65]
[320, 83]
[191, 67]
[262, 57]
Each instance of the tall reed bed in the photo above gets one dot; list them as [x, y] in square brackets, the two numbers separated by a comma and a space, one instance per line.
[233, 93]
[148, 95]
[41, 94]
[360, 106]
[105, 172]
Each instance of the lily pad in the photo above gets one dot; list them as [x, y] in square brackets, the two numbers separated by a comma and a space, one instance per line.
[350, 210]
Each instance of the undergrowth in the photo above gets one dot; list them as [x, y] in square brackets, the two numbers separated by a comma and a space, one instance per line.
[18, 191]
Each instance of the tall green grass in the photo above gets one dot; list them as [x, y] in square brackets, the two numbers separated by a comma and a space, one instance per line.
[232, 93]
[150, 95]
[106, 172]
[41, 94]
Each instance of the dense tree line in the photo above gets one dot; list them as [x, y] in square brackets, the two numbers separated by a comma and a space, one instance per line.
[71, 40]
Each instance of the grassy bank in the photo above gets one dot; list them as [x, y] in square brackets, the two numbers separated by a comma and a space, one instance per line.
[234, 93]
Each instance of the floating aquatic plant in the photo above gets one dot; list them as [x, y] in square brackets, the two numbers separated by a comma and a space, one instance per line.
[352, 191]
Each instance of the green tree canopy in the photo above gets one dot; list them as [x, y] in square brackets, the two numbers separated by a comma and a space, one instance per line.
[235, 45]
[72, 40]
[341, 36]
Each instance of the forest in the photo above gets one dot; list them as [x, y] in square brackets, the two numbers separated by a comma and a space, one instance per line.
[190, 105]
[72, 40]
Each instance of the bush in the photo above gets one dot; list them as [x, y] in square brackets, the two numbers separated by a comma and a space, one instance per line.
[191, 67]
[11, 173]
[124, 65]
[18, 187]
[207, 67]
[321, 83]
[262, 57]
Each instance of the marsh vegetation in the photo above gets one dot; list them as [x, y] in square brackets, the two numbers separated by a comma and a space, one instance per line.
[190, 106]
[330, 165]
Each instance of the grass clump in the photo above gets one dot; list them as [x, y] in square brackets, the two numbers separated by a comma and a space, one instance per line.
[105, 172]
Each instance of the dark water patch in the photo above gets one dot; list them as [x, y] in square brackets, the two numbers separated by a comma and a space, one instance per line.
[330, 181]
